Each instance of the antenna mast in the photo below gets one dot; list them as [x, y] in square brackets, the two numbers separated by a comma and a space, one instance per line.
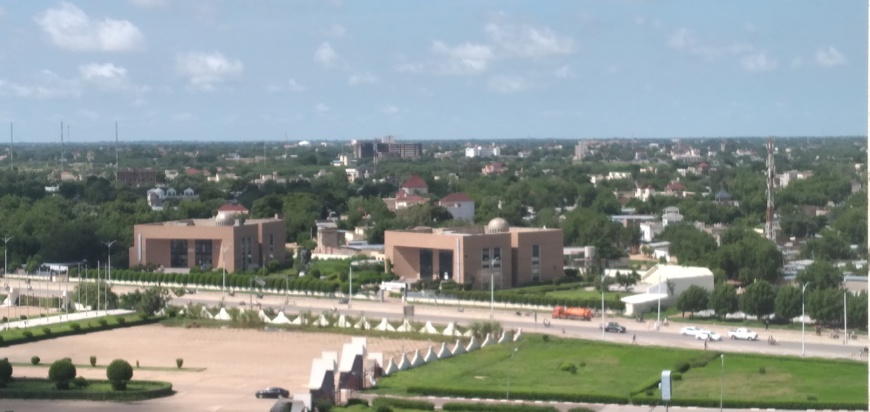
[117, 168]
[769, 231]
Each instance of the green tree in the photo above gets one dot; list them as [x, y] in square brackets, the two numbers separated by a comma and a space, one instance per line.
[61, 373]
[825, 306]
[758, 298]
[149, 302]
[820, 274]
[90, 292]
[119, 372]
[723, 300]
[832, 245]
[627, 280]
[693, 299]
[5, 372]
[746, 256]
[688, 244]
[788, 302]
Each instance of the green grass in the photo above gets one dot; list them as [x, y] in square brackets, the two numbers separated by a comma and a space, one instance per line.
[585, 294]
[44, 364]
[30, 388]
[38, 332]
[619, 370]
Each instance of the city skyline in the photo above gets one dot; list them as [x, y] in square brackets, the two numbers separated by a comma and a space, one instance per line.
[306, 70]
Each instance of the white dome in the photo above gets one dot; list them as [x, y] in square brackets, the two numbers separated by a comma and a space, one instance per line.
[497, 225]
[225, 219]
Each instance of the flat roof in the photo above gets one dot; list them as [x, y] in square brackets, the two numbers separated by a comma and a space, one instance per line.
[644, 298]
[205, 222]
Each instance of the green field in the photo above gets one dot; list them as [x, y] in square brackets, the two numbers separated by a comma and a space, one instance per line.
[585, 294]
[620, 370]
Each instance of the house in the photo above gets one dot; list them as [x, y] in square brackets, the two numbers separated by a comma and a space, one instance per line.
[671, 214]
[415, 186]
[643, 193]
[675, 188]
[665, 283]
[649, 231]
[137, 177]
[479, 151]
[460, 206]
[157, 196]
[403, 200]
[493, 168]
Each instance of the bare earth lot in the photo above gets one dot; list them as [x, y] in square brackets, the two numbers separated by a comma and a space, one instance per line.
[238, 362]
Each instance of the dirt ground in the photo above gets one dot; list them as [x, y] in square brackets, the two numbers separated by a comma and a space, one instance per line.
[237, 363]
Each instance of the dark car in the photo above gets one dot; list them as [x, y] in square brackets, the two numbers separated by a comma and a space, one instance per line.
[343, 301]
[613, 327]
[273, 392]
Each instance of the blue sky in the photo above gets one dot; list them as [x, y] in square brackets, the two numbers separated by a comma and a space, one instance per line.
[448, 69]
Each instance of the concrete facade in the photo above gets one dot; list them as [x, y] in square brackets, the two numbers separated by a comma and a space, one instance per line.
[508, 256]
[246, 243]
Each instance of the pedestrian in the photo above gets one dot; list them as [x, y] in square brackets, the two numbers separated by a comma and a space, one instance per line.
[766, 324]
[634, 339]
[705, 345]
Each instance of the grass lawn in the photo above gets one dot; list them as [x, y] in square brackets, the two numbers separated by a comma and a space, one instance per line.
[585, 294]
[97, 390]
[44, 385]
[619, 370]
[39, 331]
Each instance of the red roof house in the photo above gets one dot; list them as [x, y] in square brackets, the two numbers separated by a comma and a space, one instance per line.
[415, 185]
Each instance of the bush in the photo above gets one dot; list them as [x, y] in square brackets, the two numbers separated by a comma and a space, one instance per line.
[812, 398]
[34, 360]
[383, 408]
[5, 372]
[46, 330]
[103, 322]
[762, 370]
[75, 326]
[682, 367]
[93, 360]
[27, 334]
[322, 405]
[81, 382]
[61, 373]
[489, 407]
[179, 362]
[677, 376]
[400, 403]
[119, 373]
[568, 367]
[546, 338]
[121, 320]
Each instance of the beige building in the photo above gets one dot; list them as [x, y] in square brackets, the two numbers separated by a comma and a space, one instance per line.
[511, 256]
[237, 244]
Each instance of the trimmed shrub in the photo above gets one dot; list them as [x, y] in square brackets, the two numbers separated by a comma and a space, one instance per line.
[357, 401]
[103, 322]
[682, 367]
[677, 376]
[762, 370]
[34, 360]
[400, 403]
[93, 360]
[568, 367]
[75, 326]
[61, 373]
[81, 382]
[489, 407]
[46, 330]
[5, 372]
[179, 362]
[27, 334]
[142, 316]
[121, 320]
[546, 338]
[119, 373]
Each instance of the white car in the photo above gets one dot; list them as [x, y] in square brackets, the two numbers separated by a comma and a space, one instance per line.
[704, 334]
[690, 331]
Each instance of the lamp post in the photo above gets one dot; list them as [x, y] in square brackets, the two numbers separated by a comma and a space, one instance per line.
[492, 284]
[845, 313]
[507, 394]
[602, 305]
[109, 273]
[350, 285]
[803, 319]
[721, 381]
[659, 312]
[5, 247]
[224, 277]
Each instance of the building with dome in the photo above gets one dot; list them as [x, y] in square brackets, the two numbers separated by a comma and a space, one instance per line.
[229, 240]
[511, 256]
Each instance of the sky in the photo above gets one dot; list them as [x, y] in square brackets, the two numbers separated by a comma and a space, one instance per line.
[420, 70]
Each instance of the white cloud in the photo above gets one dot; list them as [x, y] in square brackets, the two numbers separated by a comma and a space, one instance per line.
[71, 29]
[508, 84]
[326, 55]
[564, 72]
[758, 62]
[685, 41]
[150, 4]
[206, 70]
[467, 58]
[829, 57]
[360, 79]
[529, 41]
[390, 109]
[47, 85]
[321, 108]
[336, 30]
[110, 77]
[290, 86]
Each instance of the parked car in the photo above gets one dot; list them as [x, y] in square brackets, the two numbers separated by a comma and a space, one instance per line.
[273, 392]
[742, 333]
[343, 301]
[613, 327]
[689, 331]
[704, 334]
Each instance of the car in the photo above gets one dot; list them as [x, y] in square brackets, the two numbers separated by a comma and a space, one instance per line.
[704, 334]
[743, 334]
[343, 301]
[273, 392]
[613, 327]
[689, 331]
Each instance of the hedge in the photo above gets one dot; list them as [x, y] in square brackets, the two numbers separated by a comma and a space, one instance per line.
[485, 407]
[507, 296]
[75, 328]
[402, 403]
[760, 404]
[524, 395]
[160, 389]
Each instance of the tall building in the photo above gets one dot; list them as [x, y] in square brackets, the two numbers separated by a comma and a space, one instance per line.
[228, 240]
[137, 177]
[386, 148]
[477, 254]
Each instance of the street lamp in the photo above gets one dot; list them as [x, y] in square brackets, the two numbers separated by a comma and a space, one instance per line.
[109, 273]
[602, 305]
[492, 264]
[803, 319]
[5, 247]
[721, 381]
[350, 285]
[507, 394]
[224, 265]
[845, 313]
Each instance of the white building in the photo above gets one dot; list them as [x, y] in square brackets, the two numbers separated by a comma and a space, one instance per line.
[655, 284]
[460, 206]
[479, 151]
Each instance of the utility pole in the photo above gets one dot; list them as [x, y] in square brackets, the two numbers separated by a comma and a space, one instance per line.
[350, 286]
[5, 254]
[109, 273]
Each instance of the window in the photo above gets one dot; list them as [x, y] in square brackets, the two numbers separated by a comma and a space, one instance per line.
[536, 262]
[202, 252]
[271, 244]
[426, 264]
[484, 258]
[178, 253]
[496, 257]
[445, 264]
[536, 252]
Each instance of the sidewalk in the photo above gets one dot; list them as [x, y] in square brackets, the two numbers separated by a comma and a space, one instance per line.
[61, 318]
